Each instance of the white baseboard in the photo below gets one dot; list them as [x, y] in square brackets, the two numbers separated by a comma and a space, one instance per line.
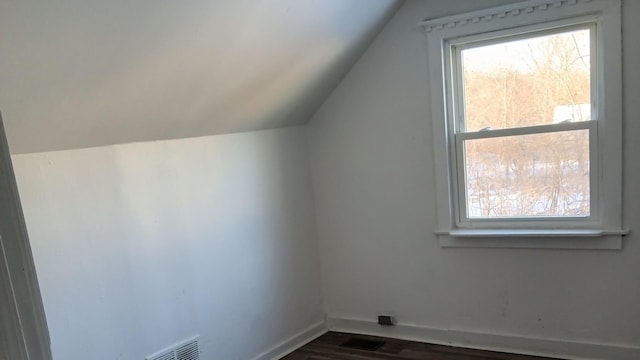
[289, 345]
[496, 342]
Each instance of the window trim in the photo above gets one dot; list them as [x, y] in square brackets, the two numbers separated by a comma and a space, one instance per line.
[521, 18]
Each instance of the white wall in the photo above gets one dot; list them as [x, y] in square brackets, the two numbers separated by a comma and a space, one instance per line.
[139, 246]
[373, 174]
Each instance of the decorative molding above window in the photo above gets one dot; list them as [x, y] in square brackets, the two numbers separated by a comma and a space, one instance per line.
[502, 12]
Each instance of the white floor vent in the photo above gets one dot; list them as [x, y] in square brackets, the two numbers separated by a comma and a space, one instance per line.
[186, 350]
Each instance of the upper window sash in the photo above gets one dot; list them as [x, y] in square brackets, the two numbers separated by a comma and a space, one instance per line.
[455, 47]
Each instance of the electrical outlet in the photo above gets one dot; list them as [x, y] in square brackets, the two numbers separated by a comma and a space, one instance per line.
[386, 320]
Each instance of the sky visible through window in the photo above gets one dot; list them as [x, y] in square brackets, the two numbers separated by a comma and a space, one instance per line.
[523, 55]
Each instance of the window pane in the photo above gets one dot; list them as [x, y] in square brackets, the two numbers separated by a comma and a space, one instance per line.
[528, 175]
[533, 81]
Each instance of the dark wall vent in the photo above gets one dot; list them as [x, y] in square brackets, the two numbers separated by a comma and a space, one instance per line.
[363, 344]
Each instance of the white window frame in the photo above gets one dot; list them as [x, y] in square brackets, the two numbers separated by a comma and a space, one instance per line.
[602, 229]
[454, 86]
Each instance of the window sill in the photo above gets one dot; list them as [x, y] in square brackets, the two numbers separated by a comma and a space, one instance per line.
[593, 239]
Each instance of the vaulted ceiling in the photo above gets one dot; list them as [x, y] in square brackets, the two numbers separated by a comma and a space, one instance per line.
[80, 73]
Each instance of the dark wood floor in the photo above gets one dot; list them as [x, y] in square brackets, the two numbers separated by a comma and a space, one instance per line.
[328, 347]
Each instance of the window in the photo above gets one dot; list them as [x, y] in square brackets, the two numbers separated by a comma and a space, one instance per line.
[523, 127]
[527, 124]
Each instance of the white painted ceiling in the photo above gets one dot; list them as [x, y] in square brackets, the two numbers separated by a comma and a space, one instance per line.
[80, 73]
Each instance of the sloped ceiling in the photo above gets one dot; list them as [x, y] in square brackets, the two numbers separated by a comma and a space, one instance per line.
[81, 73]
